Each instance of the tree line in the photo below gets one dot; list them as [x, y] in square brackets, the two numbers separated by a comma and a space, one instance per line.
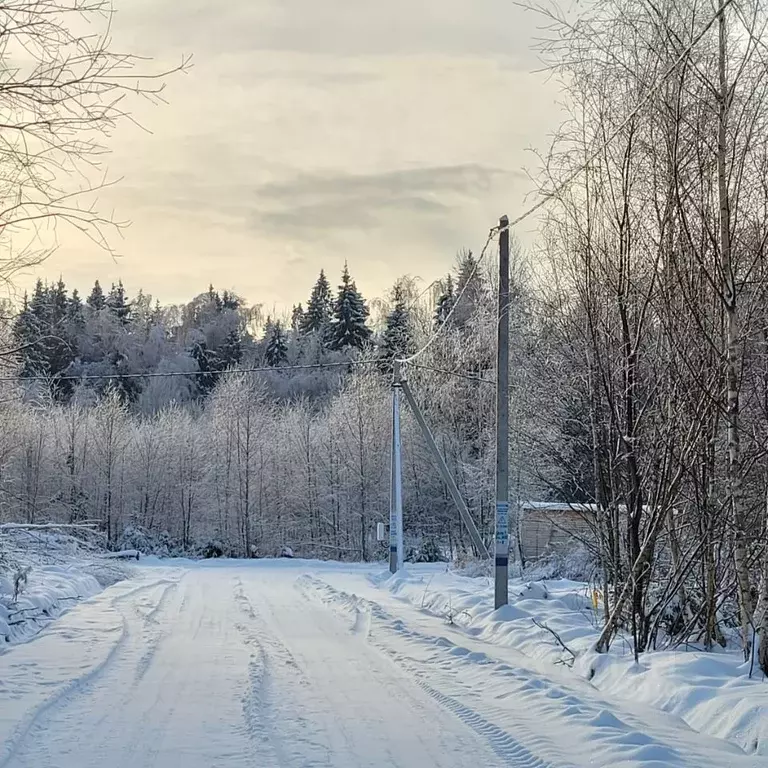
[236, 462]
[64, 342]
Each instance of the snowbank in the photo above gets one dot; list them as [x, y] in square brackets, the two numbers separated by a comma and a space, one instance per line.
[44, 572]
[555, 621]
[49, 591]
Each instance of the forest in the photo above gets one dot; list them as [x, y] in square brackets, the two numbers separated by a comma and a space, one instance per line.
[639, 361]
[216, 428]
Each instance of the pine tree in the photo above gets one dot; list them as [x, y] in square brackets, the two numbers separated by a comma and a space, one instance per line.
[445, 302]
[96, 300]
[206, 364]
[317, 317]
[214, 298]
[469, 287]
[58, 302]
[230, 301]
[118, 304]
[297, 317]
[74, 312]
[396, 341]
[350, 313]
[277, 345]
[231, 351]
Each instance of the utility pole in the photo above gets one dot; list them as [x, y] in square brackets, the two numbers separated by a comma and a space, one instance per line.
[396, 480]
[501, 548]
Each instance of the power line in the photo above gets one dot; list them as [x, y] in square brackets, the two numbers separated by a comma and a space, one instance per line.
[574, 175]
[169, 374]
[229, 371]
[421, 295]
[442, 325]
[457, 374]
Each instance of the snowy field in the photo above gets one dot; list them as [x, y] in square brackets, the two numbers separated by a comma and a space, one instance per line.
[223, 664]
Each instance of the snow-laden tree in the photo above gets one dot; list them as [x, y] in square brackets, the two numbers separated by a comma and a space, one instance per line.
[316, 318]
[349, 326]
[276, 352]
[111, 436]
[397, 339]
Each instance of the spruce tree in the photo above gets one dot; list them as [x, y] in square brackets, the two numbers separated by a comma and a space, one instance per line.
[277, 345]
[469, 287]
[26, 335]
[214, 298]
[297, 317]
[96, 300]
[42, 330]
[230, 301]
[231, 351]
[117, 302]
[40, 306]
[157, 316]
[58, 302]
[350, 313]
[74, 321]
[60, 346]
[396, 341]
[445, 302]
[206, 364]
[75, 309]
[317, 317]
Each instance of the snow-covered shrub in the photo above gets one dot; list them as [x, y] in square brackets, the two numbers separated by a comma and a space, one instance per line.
[20, 581]
[212, 549]
[136, 537]
[472, 568]
[426, 551]
[161, 544]
[577, 565]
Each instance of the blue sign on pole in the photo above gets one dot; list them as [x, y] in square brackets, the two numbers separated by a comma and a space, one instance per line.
[502, 522]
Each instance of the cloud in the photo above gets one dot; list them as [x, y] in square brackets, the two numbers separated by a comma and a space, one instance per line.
[466, 178]
[303, 205]
[339, 28]
[389, 134]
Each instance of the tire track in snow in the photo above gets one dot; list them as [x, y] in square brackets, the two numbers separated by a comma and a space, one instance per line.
[155, 635]
[261, 707]
[259, 721]
[503, 744]
[16, 742]
[627, 736]
[78, 686]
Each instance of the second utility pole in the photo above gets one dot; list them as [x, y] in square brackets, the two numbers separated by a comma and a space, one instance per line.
[396, 485]
[501, 545]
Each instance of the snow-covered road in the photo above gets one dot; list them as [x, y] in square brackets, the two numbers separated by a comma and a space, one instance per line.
[301, 665]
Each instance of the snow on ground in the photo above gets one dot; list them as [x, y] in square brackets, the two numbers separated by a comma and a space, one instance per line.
[711, 692]
[44, 573]
[296, 664]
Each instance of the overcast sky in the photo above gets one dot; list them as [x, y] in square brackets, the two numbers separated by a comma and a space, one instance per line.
[388, 134]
